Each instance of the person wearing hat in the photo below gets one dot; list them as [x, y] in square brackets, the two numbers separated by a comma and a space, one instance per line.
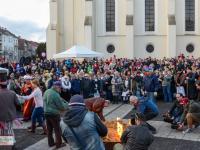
[8, 102]
[54, 104]
[136, 137]
[82, 129]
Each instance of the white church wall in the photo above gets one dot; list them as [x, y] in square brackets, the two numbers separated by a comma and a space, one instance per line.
[129, 9]
[51, 44]
[118, 41]
[183, 41]
[159, 43]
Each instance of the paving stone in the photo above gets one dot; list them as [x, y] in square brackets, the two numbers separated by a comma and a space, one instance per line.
[164, 132]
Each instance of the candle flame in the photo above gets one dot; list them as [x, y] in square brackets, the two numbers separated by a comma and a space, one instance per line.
[119, 127]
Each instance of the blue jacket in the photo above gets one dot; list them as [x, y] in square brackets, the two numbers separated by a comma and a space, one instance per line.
[151, 83]
[76, 86]
[87, 127]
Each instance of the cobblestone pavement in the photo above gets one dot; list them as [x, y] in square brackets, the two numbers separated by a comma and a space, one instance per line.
[165, 139]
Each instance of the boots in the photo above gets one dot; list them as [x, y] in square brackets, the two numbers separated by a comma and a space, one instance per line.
[33, 126]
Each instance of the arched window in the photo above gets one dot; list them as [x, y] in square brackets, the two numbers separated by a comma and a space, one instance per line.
[149, 15]
[189, 15]
[110, 15]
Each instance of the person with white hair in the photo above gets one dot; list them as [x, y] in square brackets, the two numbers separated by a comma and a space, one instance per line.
[145, 106]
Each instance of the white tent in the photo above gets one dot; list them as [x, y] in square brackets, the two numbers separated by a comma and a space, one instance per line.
[77, 52]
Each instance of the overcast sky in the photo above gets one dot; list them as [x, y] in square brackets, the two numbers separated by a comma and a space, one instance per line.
[25, 18]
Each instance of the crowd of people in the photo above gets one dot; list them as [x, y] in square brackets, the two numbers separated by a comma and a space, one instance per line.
[45, 88]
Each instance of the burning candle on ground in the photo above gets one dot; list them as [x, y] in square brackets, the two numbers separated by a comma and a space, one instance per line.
[119, 127]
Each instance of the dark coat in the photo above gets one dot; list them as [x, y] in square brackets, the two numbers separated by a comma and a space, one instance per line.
[137, 138]
[8, 105]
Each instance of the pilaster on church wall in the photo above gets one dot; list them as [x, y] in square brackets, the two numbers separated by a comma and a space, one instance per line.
[171, 38]
[89, 24]
[51, 34]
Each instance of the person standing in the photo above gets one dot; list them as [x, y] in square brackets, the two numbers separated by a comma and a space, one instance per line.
[66, 87]
[28, 105]
[166, 85]
[53, 105]
[8, 102]
[38, 112]
[116, 87]
[81, 128]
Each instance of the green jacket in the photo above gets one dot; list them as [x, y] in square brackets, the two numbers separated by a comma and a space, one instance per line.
[53, 103]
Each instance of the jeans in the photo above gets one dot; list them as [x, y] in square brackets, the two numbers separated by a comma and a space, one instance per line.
[38, 115]
[151, 107]
[167, 93]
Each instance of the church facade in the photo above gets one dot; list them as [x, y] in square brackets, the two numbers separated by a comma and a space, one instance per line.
[126, 28]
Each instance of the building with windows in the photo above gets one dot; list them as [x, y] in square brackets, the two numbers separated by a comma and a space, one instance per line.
[8, 45]
[27, 48]
[126, 28]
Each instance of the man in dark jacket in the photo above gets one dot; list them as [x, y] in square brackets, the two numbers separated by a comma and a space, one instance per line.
[81, 128]
[8, 103]
[86, 87]
[136, 137]
[76, 85]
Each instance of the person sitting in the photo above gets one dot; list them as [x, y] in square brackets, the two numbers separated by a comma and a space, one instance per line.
[174, 114]
[136, 137]
[192, 116]
[81, 128]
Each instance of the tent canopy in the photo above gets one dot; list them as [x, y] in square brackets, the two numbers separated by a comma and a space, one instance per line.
[77, 52]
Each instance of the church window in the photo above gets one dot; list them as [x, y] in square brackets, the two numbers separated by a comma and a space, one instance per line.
[189, 15]
[149, 15]
[110, 15]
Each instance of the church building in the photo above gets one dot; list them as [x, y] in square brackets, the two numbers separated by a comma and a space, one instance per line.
[126, 28]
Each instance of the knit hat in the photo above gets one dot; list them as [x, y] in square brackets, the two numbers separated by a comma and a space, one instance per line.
[77, 100]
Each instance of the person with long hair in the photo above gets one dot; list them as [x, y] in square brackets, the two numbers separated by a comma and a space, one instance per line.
[38, 112]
